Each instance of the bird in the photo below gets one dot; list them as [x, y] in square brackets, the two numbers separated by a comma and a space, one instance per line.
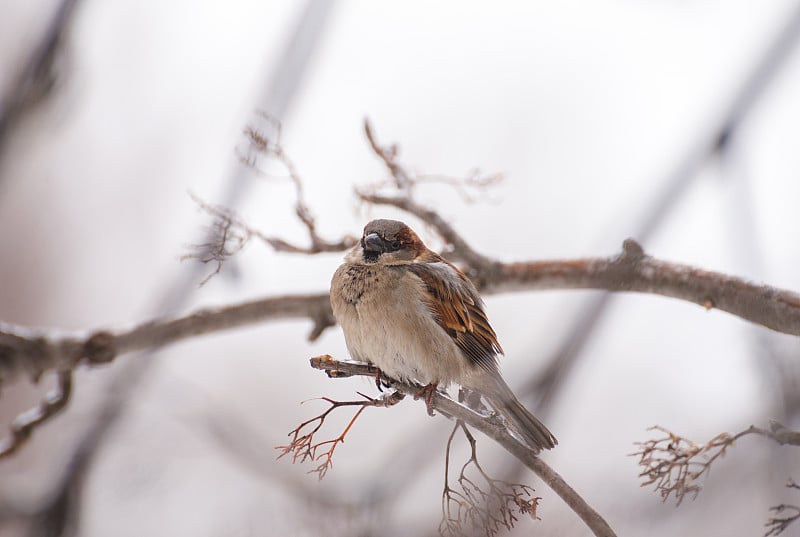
[416, 317]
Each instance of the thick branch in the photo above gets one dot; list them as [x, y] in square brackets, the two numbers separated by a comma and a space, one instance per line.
[768, 306]
[25, 351]
[493, 430]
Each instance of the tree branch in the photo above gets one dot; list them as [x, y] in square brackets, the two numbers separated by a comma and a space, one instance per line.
[491, 428]
[23, 350]
[774, 308]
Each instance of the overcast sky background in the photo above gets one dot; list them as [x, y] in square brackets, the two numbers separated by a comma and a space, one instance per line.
[586, 107]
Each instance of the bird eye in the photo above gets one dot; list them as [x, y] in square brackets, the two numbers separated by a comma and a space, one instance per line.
[396, 245]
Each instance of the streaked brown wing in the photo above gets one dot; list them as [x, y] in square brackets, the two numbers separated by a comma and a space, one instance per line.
[458, 309]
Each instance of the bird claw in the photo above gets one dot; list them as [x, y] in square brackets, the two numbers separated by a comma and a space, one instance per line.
[378, 379]
[427, 392]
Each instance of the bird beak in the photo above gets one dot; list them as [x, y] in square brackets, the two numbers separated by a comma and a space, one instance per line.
[373, 243]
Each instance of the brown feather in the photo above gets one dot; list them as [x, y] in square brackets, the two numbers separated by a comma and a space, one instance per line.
[458, 309]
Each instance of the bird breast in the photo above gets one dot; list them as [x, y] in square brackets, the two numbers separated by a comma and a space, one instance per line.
[386, 322]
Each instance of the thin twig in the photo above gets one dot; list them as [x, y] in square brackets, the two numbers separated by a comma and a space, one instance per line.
[303, 446]
[790, 514]
[229, 233]
[483, 503]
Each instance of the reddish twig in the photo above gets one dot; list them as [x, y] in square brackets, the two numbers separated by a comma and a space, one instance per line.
[303, 446]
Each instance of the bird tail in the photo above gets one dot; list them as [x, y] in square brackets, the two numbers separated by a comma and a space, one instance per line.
[504, 402]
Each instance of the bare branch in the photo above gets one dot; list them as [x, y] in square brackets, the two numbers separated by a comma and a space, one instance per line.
[777, 524]
[791, 513]
[676, 465]
[230, 233]
[774, 308]
[768, 306]
[303, 446]
[402, 180]
[33, 352]
[25, 424]
[475, 183]
[494, 430]
[19, 345]
[23, 351]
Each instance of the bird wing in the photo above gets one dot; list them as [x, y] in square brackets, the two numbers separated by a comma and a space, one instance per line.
[458, 309]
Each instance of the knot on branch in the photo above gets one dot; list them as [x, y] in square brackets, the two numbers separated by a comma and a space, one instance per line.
[784, 435]
[99, 348]
[632, 251]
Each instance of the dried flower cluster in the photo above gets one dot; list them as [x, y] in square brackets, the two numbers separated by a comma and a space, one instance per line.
[675, 464]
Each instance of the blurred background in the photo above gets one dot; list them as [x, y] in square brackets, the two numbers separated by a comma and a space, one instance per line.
[672, 122]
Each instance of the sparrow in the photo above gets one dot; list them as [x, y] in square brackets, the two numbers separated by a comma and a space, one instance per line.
[415, 316]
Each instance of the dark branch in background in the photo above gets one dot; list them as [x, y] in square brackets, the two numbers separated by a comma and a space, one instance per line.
[491, 427]
[39, 75]
[675, 184]
[61, 510]
[632, 271]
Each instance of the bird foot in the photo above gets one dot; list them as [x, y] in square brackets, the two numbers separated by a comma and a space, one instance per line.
[427, 392]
